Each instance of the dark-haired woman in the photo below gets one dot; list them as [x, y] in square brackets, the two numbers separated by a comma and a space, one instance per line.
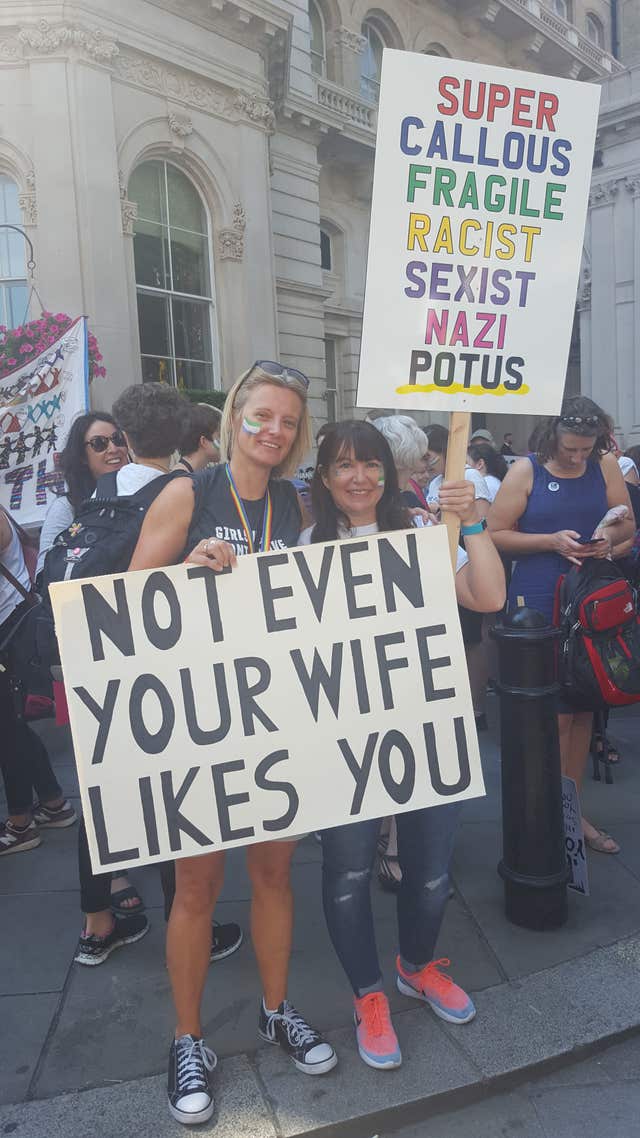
[556, 499]
[95, 446]
[491, 465]
[355, 492]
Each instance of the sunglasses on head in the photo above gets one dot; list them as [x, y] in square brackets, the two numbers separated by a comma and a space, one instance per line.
[579, 420]
[99, 443]
[279, 371]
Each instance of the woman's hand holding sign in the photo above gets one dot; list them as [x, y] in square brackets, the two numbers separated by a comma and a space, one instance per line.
[218, 555]
[458, 498]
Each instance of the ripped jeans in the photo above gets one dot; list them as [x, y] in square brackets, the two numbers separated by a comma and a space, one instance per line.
[425, 844]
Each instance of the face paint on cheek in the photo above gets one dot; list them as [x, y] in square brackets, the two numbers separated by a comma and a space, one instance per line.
[381, 478]
[250, 427]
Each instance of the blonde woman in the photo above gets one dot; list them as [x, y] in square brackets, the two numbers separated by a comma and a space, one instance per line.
[241, 506]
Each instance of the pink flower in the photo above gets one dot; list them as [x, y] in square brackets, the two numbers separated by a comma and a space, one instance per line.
[61, 318]
[26, 349]
[29, 334]
[98, 356]
[11, 363]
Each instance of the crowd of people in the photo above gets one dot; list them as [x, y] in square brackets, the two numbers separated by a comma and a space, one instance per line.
[221, 486]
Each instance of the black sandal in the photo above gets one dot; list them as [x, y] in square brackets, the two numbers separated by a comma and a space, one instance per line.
[130, 893]
[386, 877]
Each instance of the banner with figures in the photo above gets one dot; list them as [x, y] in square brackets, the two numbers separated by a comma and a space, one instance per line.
[306, 688]
[479, 204]
[38, 403]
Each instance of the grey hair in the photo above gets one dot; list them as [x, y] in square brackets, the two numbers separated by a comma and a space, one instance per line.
[407, 442]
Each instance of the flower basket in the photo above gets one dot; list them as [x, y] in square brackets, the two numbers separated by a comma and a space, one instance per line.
[19, 345]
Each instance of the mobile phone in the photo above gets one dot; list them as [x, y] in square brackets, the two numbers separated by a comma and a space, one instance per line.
[590, 540]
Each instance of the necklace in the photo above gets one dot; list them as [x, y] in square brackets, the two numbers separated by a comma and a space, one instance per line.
[267, 517]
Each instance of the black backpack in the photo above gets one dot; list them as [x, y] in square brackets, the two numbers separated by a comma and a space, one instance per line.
[100, 540]
[597, 612]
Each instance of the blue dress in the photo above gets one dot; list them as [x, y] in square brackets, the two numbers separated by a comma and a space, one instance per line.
[555, 504]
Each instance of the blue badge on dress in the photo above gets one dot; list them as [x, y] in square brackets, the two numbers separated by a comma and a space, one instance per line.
[553, 486]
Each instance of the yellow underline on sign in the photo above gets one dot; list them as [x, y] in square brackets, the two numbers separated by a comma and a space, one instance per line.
[459, 389]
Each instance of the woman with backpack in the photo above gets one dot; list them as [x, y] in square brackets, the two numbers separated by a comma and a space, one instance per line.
[545, 516]
[244, 505]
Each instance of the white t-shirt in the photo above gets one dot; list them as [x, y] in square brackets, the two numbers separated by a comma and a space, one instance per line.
[493, 484]
[12, 560]
[366, 531]
[134, 476]
[471, 475]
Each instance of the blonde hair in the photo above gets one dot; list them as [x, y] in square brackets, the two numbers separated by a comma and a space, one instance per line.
[236, 399]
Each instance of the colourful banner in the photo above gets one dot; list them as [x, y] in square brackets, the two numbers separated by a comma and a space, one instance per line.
[38, 403]
[479, 204]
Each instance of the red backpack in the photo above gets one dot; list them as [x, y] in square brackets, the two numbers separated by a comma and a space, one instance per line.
[596, 610]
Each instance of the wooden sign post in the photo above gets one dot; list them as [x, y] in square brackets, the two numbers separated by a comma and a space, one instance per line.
[459, 428]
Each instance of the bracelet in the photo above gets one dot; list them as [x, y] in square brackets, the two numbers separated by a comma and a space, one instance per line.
[475, 527]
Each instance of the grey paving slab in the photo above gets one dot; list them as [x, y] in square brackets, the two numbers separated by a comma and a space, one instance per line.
[44, 933]
[50, 868]
[139, 1110]
[608, 1111]
[512, 1115]
[612, 911]
[25, 1022]
[432, 1064]
[622, 1061]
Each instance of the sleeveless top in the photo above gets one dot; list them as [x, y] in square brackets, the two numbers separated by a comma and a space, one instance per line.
[555, 504]
[215, 513]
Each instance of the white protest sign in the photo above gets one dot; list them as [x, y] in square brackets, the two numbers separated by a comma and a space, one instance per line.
[38, 403]
[574, 837]
[304, 689]
[479, 204]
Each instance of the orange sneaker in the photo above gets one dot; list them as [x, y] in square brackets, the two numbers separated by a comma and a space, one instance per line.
[448, 1000]
[377, 1041]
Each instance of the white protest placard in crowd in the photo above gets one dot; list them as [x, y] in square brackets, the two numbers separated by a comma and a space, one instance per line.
[479, 203]
[38, 403]
[304, 689]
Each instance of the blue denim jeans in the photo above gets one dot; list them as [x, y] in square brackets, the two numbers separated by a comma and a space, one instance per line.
[425, 845]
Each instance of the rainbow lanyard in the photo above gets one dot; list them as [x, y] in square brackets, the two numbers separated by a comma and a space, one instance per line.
[267, 518]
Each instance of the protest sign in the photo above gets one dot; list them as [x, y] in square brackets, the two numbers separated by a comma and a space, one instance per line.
[38, 403]
[574, 837]
[479, 205]
[306, 688]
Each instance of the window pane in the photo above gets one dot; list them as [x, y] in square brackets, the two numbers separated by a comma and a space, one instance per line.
[146, 187]
[9, 208]
[191, 330]
[190, 260]
[325, 251]
[16, 304]
[151, 255]
[185, 205]
[317, 39]
[153, 322]
[156, 371]
[194, 376]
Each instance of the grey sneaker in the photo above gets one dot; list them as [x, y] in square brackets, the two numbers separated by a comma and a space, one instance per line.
[58, 819]
[14, 839]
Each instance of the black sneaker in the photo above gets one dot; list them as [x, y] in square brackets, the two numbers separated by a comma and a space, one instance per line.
[190, 1098]
[57, 819]
[126, 930]
[297, 1038]
[225, 940]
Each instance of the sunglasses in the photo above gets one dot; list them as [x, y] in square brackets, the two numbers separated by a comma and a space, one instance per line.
[580, 420]
[99, 443]
[279, 371]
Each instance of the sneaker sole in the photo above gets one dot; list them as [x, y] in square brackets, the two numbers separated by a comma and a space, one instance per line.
[22, 847]
[191, 1119]
[61, 825]
[379, 1064]
[227, 952]
[94, 960]
[316, 1069]
[406, 990]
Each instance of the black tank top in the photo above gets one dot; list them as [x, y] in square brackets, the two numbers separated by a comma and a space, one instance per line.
[215, 514]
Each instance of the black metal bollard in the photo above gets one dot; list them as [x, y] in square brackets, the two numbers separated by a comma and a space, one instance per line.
[534, 862]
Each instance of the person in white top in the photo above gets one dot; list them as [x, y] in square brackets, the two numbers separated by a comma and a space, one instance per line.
[355, 492]
[490, 465]
[23, 757]
[95, 446]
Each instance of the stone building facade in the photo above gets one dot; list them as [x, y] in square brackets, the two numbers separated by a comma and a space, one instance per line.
[195, 175]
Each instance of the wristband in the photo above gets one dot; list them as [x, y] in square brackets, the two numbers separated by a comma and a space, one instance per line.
[475, 527]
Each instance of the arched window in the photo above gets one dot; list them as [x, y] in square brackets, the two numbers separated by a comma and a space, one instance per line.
[13, 273]
[371, 66]
[326, 259]
[562, 9]
[437, 49]
[173, 277]
[595, 30]
[318, 52]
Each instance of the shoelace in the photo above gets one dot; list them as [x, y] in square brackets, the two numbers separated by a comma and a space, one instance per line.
[432, 972]
[376, 1011]
[297, 1029]
[193, 1057]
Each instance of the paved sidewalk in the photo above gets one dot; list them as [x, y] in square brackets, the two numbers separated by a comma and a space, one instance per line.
[540, 996]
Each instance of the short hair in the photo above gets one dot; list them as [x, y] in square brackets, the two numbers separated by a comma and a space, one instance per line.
[437, 438]
[154, 416]
[579, 416]
[204, 420]
[237, 397]
[406, 441]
